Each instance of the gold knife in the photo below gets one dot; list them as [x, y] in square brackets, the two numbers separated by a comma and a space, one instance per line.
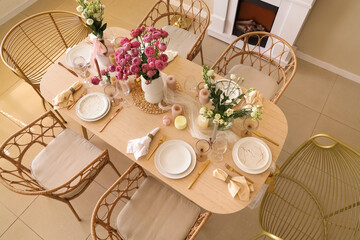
[111, 118]
[199, 173]
[162, 139]
[71, 71]
[265, 137]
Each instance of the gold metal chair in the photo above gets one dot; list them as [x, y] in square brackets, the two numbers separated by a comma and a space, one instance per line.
[19, 177]
[193, 17]
[35, 43]
[276, 62]
[104, 224]
[316, 194]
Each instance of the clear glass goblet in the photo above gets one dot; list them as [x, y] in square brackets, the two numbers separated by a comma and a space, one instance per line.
[249, 125]
[218, 148]
[112, 91]
[202, 149]
[81, 67]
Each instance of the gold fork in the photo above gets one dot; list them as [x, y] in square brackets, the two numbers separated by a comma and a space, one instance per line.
[230, 168]
[162, 139]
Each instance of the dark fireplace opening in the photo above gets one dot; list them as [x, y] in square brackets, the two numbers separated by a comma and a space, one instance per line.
[254, 15]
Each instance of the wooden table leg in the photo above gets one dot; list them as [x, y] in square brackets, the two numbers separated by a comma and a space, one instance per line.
[84, 131]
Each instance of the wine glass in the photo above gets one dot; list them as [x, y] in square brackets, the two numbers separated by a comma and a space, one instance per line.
[218, 148]
[202, 149]
[112, 91]
[190, 85]
[81, 67]
[249, 125]
[124, 96]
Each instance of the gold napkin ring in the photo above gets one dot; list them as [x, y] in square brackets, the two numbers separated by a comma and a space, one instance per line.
[150, 136]
[72, 90]
[228, 178]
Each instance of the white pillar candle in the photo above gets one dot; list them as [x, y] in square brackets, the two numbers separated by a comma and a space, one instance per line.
[203, 122]
[171, 82]
[180, 122]
[204, 96]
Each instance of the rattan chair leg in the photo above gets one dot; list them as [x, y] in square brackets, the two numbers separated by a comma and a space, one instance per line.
[113, 166]
[61, 117]
[72, 209]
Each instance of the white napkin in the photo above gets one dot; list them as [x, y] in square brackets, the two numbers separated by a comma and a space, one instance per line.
[65, 98]
[140, 146]
[171, 54]
[254, 98]
[236, 185]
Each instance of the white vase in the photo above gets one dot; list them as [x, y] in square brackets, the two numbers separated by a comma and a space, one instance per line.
[153, 91]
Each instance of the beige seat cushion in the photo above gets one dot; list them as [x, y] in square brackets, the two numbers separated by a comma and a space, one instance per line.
[256, 79]
[156, 212]
[63, 158]
[180, 40]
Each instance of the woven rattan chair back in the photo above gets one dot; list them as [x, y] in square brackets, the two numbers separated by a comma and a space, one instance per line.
[16, 175]
[277, 59]
[102, 222]
[316, 194]
[35, 43]
[196, 11]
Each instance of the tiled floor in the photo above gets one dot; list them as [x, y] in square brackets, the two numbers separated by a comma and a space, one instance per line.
[317, 101]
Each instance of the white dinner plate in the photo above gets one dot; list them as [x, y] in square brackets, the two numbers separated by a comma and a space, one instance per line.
[79, 50]
[92, 106]
[230, 88]
[252, 155]
[179, 143]
[175, 158]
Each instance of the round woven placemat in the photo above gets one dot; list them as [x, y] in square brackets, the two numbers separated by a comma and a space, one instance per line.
[138, 97]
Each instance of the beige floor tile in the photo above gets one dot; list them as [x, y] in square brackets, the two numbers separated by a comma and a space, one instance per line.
[282, 158]
[22, 102]
[7, 218]
[15, 202]
[20, 231]
[108, 176]
[8, 78]
[53, 219]
[338, 130]
[42, 6]
[343, 103]
[240, 225]
[311, 85]
[301, 121]
[7, 127]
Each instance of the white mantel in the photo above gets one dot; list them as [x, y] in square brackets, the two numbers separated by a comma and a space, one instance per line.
[287, 24]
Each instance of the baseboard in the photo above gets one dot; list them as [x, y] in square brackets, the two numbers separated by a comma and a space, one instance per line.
[328, 66]
[15, 11]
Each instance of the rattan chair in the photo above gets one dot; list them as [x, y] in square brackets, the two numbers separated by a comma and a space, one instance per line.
[67, 162]
[35, 43]
[268, 67]
[316, 194]
[194, 17]
[143, 204]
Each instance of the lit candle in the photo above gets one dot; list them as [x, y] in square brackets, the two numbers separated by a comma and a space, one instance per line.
[171, 82]
[176, 110]
[203, 122]
[204, 96]
[112, 59]
[180, 122]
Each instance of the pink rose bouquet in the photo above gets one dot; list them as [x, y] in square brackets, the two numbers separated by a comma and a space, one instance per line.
[142, 56]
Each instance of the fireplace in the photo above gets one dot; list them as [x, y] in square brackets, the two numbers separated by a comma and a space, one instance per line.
[280, 17]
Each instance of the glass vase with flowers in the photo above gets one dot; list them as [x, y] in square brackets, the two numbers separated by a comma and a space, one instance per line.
[144, 57]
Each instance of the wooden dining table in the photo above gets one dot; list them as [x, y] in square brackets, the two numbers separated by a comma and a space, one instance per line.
[208, 192]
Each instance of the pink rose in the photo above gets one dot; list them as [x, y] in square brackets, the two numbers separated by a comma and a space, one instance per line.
[156, 43]
[127, 46]
[135, 44]
[149, 51]
[103, 71]
[142, 28]
[147, 38]
[147, 82]
[151, 73]
[151, 29]
[136, 61]
[128, 57]
[118, 68]
[145, 67]
[122, 62]
[164, 34]
[156, 35]
[125, 77]
[135, 69]
[151, 64]
[136, 75]
[151, 59]
[134, 52]
[133, 34]
[159, 65]
[163, 57]
[122, 52]
[111, 68]
[162, 46]
[119, 75]
[124, 40]
[95, 80]
[126, 70]
[117, 53]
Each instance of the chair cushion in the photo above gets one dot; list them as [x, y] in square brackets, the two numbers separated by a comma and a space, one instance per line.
[63, 158]
[256, 79]
[180, 40]
[156, 212]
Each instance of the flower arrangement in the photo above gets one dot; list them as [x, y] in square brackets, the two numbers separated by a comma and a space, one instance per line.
[93, 12]
[223, 112]
[95, 80]
[143, 56]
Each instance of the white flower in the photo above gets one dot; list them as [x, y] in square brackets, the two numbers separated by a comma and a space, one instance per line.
[102, 6]
[247, 106]
[229, 112]
[83, 15]
[217, 116]
[206, 86]
[233, 77]
[79, 8]
[89, 21]
[210, 73]
[254, 109]
[203, 110]
[221, 121]
[216, 121]
[253, 114]
[209, 113]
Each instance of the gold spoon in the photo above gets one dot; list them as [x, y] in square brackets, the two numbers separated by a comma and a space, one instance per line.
[162, 139]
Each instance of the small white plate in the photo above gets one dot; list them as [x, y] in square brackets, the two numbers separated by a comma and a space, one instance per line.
[79, 50]
[180, 175]
[251, 147]
[230, 88]
[92, 106]
[175, 158]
